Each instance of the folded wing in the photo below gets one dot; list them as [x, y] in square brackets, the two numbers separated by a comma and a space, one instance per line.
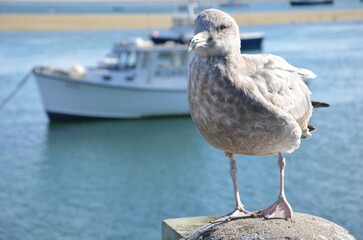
[282, 85]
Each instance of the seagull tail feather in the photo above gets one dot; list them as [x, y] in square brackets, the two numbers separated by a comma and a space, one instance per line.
[304, 73]
[319, 104]
[306, 133]
[311, 127]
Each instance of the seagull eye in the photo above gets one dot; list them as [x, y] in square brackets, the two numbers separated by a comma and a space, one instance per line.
[222, 27]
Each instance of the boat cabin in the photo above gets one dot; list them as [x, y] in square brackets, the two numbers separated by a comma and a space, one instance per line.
[141, 62]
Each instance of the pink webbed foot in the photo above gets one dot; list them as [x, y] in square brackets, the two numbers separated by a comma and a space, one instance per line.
[280, 209]
[236, 214]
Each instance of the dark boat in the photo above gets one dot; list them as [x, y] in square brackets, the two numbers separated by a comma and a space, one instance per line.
[309, 2]
[249, 40]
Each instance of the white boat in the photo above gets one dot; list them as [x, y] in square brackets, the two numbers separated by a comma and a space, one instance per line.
[137, 79]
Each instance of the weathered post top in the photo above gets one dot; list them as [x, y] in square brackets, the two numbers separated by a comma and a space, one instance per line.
[301, 226]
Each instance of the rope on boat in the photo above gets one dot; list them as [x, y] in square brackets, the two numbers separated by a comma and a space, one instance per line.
[16, 89]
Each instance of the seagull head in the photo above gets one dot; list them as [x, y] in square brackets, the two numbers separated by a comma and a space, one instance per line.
[216, 34]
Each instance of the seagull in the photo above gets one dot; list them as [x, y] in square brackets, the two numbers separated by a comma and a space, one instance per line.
[249, 104]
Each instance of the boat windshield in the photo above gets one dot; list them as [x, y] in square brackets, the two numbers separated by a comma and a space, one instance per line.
[126, 59]
[172, 59]
[171, 64]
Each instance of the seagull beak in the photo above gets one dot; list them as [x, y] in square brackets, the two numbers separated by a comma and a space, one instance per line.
[198, 40]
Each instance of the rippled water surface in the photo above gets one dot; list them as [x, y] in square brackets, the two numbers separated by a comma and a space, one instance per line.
[120, 179]
[121, 7]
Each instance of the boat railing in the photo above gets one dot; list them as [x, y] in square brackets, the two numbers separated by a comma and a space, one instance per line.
[49, 69]
[76, 72]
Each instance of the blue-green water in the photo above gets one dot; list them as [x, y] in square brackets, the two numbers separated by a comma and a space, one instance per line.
[120, 179]
[122, 7]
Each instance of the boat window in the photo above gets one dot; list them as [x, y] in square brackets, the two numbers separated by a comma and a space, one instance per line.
[145, 60]
[172, 59]
[122, 57]
[127, 59]
[131, 60]
[107, 77]
[122, 60]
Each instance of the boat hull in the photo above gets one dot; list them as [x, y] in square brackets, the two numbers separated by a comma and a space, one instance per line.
[162, 40]
[309, 2]
[246, 44]
[68, 99]
[251, 44]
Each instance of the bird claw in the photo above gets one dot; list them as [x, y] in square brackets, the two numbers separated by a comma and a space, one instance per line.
[236, 214]
[280, 209]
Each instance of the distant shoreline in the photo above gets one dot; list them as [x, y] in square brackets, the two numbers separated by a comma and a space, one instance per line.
[39, 22]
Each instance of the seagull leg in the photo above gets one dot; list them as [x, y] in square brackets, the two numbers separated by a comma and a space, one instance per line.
[281, 208]
[239, 211]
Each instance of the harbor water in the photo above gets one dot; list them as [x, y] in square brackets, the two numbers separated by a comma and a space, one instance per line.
[119, 179]
[121, 7]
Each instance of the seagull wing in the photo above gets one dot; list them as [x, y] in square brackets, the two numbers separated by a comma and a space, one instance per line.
[281, 85]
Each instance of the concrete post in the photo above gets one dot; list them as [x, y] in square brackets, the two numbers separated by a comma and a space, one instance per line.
[301, 226]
